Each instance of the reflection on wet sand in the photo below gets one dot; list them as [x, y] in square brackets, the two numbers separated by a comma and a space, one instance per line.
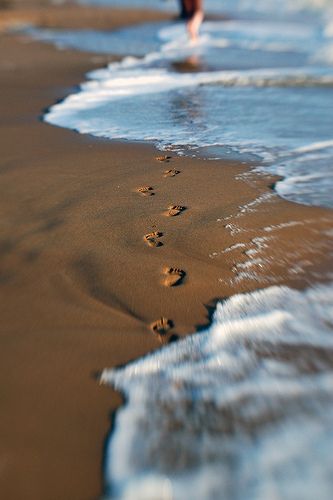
[192, 64]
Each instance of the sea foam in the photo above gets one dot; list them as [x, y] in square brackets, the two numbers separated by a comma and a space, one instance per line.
[241, 410]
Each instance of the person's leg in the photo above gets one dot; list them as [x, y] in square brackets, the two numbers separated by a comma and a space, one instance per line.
[195, 19]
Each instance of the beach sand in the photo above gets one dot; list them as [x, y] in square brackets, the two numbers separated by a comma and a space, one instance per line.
[79, 285]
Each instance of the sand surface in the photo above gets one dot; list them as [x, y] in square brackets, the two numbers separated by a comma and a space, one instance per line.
[79, 285]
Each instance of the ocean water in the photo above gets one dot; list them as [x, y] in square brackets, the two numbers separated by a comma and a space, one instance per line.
[257, 87]
[241, 411]
[244, 409]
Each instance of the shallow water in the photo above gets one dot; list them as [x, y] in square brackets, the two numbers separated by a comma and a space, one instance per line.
[255, 88]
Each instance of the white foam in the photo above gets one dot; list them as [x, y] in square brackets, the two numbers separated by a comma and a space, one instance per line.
[282, 225]
[131, 83]
[316, 146]
[242, 410]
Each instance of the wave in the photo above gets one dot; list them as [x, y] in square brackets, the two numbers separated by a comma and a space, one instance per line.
[248, 89]
[242, 410]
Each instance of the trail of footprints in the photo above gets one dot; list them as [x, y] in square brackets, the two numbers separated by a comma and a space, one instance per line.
[171, 276]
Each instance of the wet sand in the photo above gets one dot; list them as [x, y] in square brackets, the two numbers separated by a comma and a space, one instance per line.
[79, 284]
[70, 15]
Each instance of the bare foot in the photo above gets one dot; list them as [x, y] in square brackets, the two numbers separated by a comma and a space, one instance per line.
[171, 173]
[145, 190]
[152, 239]
[174, 210]
[174, 276]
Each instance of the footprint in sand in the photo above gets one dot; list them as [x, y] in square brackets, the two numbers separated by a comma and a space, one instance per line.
[161, 327]
[173, 276]
[174, 210]
[163, 158]
[171, 173]
[152, 239]
[146, 190]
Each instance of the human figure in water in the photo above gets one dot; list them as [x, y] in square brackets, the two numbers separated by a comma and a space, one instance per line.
[192, 11]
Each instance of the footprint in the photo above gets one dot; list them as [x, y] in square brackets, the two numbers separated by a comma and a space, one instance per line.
[174, 276]
[174, 210]
[152, 239]
[145, 190]
[163, 158]
[161, 327]
[171, 173]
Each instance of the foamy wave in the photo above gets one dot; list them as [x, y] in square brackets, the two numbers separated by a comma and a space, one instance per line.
[109, 86]
[303, 169]
[243, 410]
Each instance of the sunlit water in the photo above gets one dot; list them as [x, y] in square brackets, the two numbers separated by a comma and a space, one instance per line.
[257, 89]
[243, 410]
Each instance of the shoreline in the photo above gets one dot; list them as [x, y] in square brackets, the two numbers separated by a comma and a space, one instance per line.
[80, 287]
